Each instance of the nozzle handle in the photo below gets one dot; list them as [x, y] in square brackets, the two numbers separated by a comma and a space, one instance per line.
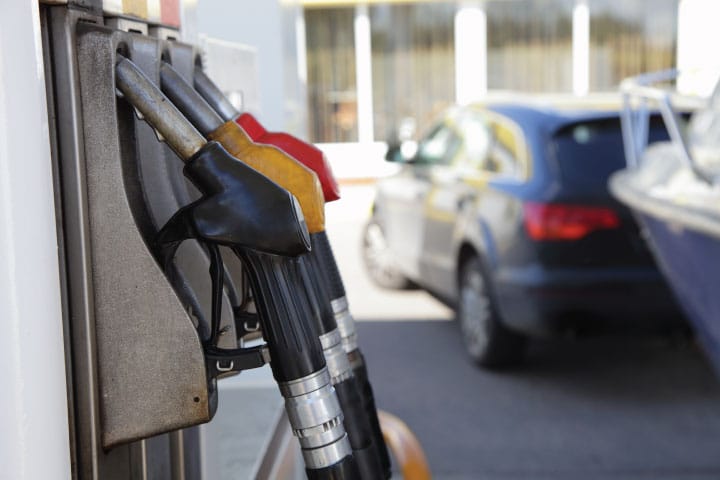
[284, 312]
[214, 96]
[322, 249]
[314, 278]
[188, 101]
[157, 110]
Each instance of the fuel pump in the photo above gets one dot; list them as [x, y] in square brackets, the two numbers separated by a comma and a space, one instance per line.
[314, 159]
[265, 227]
[304, 184]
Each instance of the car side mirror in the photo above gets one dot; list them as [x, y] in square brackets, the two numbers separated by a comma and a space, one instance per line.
[402, 152]
[393, 153]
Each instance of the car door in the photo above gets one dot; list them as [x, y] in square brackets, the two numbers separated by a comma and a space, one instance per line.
[491, 221]
[449, 195]
[403, 198]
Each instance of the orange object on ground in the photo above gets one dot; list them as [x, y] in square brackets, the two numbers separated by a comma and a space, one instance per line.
[405, 447]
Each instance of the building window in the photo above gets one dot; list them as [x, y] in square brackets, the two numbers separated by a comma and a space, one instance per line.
[332, 93]
[629, 38]
[413, 64]
[529, 45]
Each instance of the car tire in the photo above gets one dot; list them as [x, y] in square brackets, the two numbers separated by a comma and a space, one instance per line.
[489, 343]
[379, 261]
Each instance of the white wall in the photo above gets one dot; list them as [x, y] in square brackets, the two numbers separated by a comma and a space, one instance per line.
[270, 27]
[698, 36]
[34, 441]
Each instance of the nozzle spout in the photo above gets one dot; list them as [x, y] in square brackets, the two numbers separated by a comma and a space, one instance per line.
[157, 110]
[214, 96]
[188, 101]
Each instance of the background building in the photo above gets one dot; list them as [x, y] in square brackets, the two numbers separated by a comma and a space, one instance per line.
[347, 73]
[414, 58]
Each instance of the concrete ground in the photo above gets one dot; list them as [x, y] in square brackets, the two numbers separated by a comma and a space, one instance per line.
[602, 408]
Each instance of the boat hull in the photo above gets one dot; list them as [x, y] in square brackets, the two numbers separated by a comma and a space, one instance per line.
[680, 216]
[691, 262]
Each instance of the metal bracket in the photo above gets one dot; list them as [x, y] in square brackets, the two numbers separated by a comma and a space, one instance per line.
[223, 361]
[246, 323]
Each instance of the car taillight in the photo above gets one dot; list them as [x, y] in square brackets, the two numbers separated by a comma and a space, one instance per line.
[557, 221]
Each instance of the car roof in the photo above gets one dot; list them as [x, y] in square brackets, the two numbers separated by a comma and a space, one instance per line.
[551, 113]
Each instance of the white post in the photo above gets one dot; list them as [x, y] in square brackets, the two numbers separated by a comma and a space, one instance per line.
[363, 74]
[697, 32]
[34, 440]
[581, 47]
[301, 47]
[470, 53]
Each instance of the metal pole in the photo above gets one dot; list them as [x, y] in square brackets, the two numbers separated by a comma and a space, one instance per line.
[581, 47]
[363, 68]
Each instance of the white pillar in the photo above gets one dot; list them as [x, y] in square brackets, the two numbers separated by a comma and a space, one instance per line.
[363, 73]
[697, 33]
[581, 47]
[470, 53]
[34, 441]
[301, 47]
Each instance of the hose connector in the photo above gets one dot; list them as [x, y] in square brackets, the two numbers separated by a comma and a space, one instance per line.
[336, 358]
[316, 419]
[345, 323]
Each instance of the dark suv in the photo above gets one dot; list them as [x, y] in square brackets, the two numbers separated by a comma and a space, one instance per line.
[503, 212]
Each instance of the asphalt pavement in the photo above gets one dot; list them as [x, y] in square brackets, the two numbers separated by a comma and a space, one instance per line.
[595, 408]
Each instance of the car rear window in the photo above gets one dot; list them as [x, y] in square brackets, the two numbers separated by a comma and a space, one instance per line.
[587, 153]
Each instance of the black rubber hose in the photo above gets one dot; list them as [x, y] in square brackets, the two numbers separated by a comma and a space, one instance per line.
[358, 428]
[357, 423]
[322, 251]
[344, 470]
[360, 371]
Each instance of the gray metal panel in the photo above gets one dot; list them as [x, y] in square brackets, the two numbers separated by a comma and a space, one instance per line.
[89, 460]
[144, 459]
[151, 367]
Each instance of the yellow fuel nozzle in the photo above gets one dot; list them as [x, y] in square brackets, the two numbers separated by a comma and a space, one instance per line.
[280, 167]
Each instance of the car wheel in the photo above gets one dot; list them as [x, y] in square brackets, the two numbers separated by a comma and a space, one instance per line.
[488, 342]
[379, 261]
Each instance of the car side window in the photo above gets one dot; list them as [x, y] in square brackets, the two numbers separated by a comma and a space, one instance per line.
[505, 151]
[439, 147]
[476, 141]
[494, 145]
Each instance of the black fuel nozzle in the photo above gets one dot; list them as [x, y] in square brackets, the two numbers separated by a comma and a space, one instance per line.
[297, 178]
[325, 276]
[263, 224]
